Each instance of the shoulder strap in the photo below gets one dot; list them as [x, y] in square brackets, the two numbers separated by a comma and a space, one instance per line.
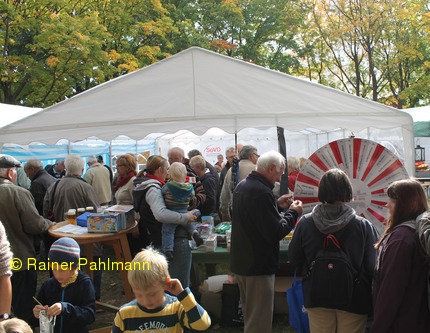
[331, 238]
[423, 229]
[235, 174]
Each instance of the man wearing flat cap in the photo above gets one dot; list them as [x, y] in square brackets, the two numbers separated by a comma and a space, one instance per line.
[22, 222]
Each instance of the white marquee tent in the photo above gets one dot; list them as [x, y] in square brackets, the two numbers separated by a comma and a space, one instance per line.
[11, 113]
[197, 90]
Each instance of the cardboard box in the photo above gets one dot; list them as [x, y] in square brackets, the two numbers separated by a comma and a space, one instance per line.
[212, 303]
[81, 220]
[209, 244]
[127, 214]
[99, 223]
[285, 242]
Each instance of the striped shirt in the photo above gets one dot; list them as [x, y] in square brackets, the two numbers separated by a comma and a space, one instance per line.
[172, 316]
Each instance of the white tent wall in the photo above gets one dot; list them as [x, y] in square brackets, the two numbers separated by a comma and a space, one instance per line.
[210, 144]
[216, 141]
[197, 90]
[92, 146]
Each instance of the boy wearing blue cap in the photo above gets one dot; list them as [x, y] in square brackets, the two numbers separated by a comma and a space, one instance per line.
[69, 295]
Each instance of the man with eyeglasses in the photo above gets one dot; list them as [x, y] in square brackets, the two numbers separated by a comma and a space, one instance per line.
[57, 170]
[230, 154]
[22, 222]
[247, 163]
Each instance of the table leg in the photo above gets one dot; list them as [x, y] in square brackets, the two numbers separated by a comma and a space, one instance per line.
[123, 254]
[195, 275]
[89, 255]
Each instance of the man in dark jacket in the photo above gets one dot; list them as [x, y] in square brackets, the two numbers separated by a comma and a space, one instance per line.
[230, 154]
[258, 224]
[57, 170]
[40, 181]
[210, 185]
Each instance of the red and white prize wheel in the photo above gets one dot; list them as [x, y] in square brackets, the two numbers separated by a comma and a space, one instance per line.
[371, 168]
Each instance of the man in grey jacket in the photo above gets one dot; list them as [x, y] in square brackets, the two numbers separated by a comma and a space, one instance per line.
[22, 222]
[73, 192]
[248, 159]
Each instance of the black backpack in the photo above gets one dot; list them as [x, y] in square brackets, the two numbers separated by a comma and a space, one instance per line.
[331, 276]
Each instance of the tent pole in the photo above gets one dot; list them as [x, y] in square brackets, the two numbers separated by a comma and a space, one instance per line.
[110, 153]
[235, 141]
[282, 147]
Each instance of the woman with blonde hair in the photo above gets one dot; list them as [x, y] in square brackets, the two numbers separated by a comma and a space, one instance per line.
[123, 189]
[149, 202]
[400, 280]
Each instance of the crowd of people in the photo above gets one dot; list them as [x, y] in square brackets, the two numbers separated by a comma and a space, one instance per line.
[171, 193]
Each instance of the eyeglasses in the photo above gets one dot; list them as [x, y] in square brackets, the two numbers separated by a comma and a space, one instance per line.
[118, 165]
[256, 155]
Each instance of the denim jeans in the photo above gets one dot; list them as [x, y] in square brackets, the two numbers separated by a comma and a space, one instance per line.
[168, 236]
[180, 266]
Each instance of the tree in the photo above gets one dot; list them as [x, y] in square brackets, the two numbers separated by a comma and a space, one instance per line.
[259, 31]
[55, 49]
[373, 49]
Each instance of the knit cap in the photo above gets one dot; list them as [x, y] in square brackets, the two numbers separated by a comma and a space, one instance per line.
[65, 249]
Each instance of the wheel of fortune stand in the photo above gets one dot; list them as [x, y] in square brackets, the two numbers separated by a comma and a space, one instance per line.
[370, 166]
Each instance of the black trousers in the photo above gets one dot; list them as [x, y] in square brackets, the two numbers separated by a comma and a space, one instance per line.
[24, 285]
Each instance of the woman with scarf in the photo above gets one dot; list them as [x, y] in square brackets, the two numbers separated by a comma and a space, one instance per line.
[148, 201]
[123, 189]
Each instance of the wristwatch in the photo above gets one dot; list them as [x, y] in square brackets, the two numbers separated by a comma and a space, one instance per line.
[5, 316]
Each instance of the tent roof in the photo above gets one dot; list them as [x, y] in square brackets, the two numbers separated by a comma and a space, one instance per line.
[196, 90]
[421, 113]
[11, 113]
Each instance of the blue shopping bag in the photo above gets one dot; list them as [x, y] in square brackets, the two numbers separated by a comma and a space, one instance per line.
[297, 313]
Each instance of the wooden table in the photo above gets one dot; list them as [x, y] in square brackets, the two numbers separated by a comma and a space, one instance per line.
[117, 240]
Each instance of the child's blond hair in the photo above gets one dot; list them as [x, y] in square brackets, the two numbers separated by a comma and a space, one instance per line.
[15, 325]
[178, 172]
[154, 270]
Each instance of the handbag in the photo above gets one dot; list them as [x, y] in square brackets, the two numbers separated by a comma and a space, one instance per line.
[298, 316]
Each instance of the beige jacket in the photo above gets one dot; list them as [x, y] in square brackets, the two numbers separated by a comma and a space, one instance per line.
[245, 168]
[98, 177]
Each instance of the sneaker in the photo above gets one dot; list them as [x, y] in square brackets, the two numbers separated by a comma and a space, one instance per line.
[168, 254]
[197, 238]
